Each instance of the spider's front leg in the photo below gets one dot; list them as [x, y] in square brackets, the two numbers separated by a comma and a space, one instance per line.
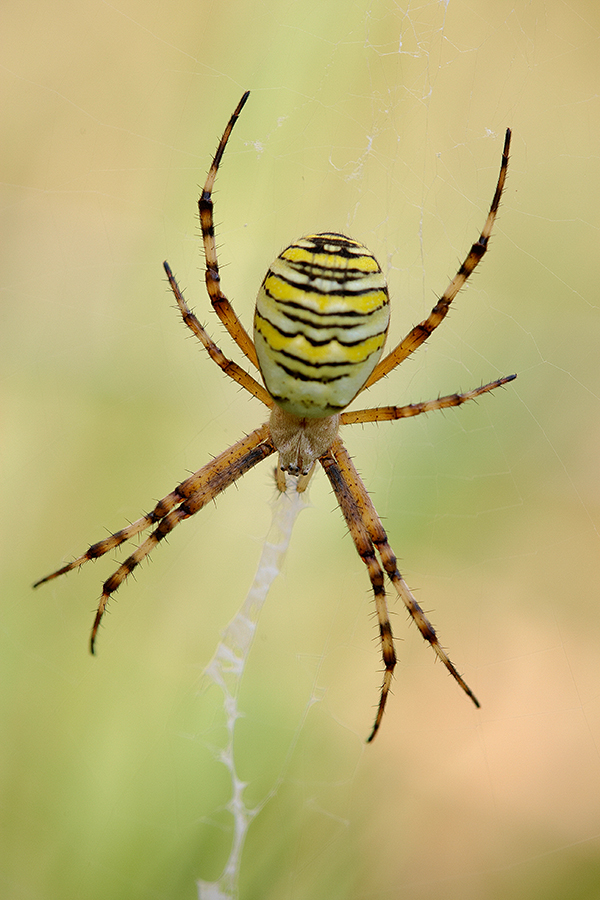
[366, 550]
[187, 499]
[376, 531]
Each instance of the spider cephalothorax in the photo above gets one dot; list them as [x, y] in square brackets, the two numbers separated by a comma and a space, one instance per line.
[320, 325]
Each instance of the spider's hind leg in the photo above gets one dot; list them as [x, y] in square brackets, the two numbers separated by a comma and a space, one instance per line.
[230, 368]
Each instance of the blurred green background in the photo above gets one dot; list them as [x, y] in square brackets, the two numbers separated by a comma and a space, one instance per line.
[385, 123]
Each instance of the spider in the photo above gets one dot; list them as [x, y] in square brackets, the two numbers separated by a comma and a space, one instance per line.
[320, 325]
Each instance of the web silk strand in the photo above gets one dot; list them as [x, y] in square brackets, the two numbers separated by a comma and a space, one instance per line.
[227, 667]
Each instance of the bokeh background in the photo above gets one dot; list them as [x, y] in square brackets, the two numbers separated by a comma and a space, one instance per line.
[384, 121]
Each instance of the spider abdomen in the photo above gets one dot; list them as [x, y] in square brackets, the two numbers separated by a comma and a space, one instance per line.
[321, 320]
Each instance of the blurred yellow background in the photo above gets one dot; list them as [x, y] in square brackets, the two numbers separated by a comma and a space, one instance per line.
[387, 124]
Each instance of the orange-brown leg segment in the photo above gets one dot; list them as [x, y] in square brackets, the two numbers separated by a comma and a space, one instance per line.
[362, 520]
[181, 492]
[389, 413]
[203, 486]
[421, 332]
[379, 537]
[227, 365]
[366, 551]
[189, 497]
[219, 301]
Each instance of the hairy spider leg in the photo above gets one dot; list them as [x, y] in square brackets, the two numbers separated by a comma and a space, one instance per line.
[220, 303]
[421, 332]
[211, 481]
[390, 413]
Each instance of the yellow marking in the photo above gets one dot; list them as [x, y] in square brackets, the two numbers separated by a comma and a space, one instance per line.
[334, 261]
[306, 354]
[324, 302]
[320, 324]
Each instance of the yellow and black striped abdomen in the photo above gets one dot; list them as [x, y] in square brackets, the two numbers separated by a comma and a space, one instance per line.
[321, 320]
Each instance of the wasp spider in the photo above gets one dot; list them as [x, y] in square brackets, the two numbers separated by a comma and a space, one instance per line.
[320, 325]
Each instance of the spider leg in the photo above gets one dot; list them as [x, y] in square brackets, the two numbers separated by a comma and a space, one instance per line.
[114, 540]
[421, 332]
[389, 413]
[199, 489]
[364, 545]
[220, 303]
[184, 490]
[376, 532]
[229, 367]
[193, 493]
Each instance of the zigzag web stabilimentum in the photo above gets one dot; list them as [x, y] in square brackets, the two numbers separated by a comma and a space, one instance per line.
[226, 670]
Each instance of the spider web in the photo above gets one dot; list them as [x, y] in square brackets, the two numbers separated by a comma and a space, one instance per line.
[385, 121]
[226, 670]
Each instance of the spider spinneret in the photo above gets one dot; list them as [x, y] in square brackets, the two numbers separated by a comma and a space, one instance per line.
[320, 325]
